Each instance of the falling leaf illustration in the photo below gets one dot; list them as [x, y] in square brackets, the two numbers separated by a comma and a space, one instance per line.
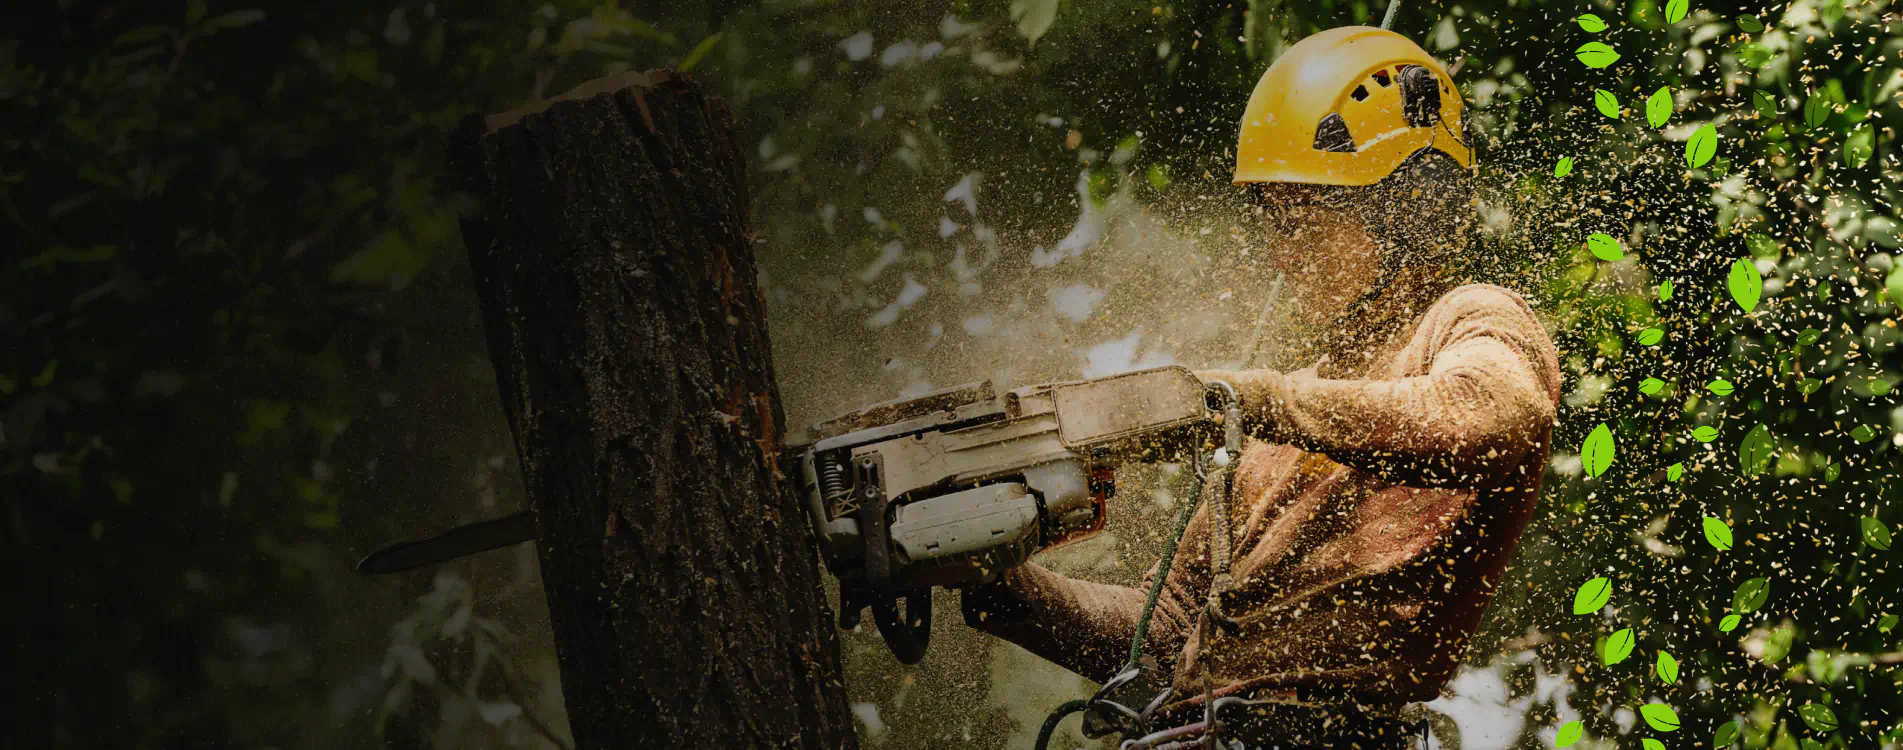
[1875, 533]
[1604, 247]
[1701, 146]
[1750, 595]
[1592, 595]
[1718, 533]
[1606, 103]
[1596, 54]
[1597, 451]
[1660, 717]
[1658, 108]
[1618, 646]
[1745, 284]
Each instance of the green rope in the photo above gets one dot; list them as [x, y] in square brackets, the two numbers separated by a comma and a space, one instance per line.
[1149, 603]
[1050, 722]
[1394, 8]
[1169, 559]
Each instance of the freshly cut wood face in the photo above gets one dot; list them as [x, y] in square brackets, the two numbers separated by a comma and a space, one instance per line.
[604, 85]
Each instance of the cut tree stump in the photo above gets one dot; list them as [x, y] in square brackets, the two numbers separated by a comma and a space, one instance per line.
[626, 325]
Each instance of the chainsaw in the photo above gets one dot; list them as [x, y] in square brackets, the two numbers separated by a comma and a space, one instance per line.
[950, 488]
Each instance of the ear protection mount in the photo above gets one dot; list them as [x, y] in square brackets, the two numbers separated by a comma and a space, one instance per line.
[1420, 96]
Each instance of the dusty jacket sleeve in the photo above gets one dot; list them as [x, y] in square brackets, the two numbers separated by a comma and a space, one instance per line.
[1086, 627]
[1485, 399]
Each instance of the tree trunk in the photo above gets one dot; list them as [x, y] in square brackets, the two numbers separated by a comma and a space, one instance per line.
[619, 293]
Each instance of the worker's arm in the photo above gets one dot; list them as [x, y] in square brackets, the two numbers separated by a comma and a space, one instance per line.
[1485, 400]
[1086, 627]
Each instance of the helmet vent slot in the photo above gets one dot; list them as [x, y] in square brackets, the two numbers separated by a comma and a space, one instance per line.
[1360, 94]
[1331, 134]
[1382, 77]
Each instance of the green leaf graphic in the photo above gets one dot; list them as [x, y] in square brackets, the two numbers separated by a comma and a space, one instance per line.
[1808, 386]
[1660, 716]
[1809, 336]
[1831, 12]
[1864, 433]
[1569, 733]
[1886, 623]
[1651, 336]
[1667, 668]
[1607, 104]
[1592, 595]
[1596, 54]
[1591, 22]
[1876, 534]
[1604, 247]
[1751, 595]
[1665, 290]
[1764, 104]
[1720, 387]
[1755, 453]
[1718, 533]
[1831, 470]
[1729, 624]
[1745, 284]
[1819, 717]
[1704, 433]
[1675, 10]
[1761, 246]
[1564, 167]
[1618, 646]
[1816, 109]
[1778, 644]
[1858, 148]
[1754, 55]
[1597, 451]
[1673, 472]
[1727, 733]
[1750, 24]
[1658, 108]
[1702, 146]
[1651, 386]
[1651, 744]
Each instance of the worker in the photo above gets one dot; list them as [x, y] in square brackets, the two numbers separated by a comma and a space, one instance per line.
[1382, 488]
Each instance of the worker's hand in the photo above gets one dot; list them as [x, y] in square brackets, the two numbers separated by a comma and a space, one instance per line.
[1228, 376]
[994, 603]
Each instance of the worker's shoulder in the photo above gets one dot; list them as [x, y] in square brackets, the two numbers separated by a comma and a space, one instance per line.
[1489, 311]
[1486, 301]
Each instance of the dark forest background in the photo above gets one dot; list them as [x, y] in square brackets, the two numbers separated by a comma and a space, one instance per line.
[239, 347]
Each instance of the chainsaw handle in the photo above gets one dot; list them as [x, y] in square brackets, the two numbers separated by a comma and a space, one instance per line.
[908, 637]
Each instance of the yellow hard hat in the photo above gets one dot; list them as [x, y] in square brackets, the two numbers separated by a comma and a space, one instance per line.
[1346, 107]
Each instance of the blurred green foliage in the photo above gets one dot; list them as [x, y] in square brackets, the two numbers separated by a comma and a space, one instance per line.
[241, 347]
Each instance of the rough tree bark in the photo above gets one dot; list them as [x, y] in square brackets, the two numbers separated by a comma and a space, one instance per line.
[619, 293]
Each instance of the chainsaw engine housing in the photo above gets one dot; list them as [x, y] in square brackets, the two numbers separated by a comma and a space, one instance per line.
[954, 487]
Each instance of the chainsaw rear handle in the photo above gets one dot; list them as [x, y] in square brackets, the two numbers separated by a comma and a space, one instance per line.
[909, 634]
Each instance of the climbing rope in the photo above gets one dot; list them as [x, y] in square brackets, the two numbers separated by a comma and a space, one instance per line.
[1149, 605]
[1394, 7]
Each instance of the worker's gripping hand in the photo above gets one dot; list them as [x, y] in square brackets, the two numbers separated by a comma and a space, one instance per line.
[995, 603]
